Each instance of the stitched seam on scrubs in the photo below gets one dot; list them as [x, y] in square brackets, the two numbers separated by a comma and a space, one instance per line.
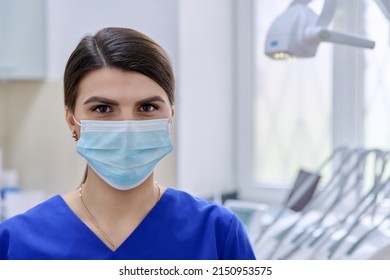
[5, 239]
[226, 237]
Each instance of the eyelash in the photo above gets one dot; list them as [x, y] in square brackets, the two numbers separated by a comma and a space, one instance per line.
[108, 107]
[155, 107]
[98, 107]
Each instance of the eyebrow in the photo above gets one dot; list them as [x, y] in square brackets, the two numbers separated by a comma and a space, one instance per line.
[156, 98]
[98, 99]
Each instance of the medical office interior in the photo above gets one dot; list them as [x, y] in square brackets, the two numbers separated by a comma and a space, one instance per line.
[282, 112]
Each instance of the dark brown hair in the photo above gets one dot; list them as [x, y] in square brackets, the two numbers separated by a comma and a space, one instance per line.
[121, 48]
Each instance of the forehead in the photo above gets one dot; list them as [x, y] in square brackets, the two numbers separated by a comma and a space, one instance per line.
[119, 85]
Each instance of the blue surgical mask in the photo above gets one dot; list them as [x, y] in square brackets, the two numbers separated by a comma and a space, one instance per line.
[124, 153]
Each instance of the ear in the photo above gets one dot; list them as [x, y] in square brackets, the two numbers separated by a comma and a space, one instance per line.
[172, 112]
[70, 120]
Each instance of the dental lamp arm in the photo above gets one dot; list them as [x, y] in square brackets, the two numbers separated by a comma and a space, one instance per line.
[324, 35]
[327, 12]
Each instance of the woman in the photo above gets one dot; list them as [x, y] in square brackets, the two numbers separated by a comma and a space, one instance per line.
[119, 96]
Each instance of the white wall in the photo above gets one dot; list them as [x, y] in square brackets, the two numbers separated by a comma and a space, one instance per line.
[37, 141]
[68, 21]
[205, 105]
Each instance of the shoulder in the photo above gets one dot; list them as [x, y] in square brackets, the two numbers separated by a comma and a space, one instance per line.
[40, 212]
[190, 204]
[18, 231]
[39, 233]
[214, 221]
[180, 196]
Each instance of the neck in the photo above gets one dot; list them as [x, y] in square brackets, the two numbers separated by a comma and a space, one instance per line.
[113, 214]
[105, 200]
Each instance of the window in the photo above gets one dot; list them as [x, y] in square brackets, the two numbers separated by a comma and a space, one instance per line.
[377, 82]
[291, 115]
[292, 103]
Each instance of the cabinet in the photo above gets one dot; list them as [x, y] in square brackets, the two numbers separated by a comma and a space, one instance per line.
[22, 39]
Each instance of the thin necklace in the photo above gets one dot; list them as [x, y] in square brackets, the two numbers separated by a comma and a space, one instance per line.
[95, 223]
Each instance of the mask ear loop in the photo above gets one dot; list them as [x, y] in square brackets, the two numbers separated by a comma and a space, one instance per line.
[76, 120]
[170, 121]
[84, 179]
[74, 134]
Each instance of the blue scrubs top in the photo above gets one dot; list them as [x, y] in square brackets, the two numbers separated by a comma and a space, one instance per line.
[179, 226]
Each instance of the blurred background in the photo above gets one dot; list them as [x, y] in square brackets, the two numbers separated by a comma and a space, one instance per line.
[245, 124]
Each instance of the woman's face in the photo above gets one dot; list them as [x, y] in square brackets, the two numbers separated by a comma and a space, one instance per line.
[112, 94]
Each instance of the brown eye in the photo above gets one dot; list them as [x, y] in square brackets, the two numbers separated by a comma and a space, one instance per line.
[148, 108]
[102, 109]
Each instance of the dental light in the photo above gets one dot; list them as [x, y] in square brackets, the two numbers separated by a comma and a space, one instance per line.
[298, 32]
